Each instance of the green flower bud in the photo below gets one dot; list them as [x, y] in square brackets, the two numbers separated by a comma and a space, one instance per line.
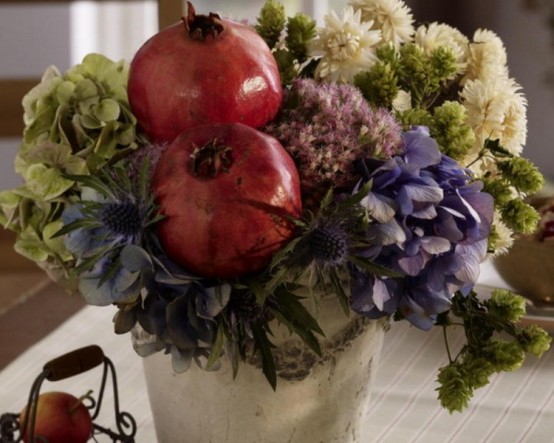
[534, 339]
[477, 371]
[271, 22]
[503, 355]
[379, 85]
[520, 216]
[522, 174]
[414, 116]
[443, 64]
[387, 54]
[453, 392]
[499, 189]
[507, 305]
[300, 30]
[450, 130]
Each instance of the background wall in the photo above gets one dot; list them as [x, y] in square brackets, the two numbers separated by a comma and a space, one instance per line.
[32, 37]
[36, 35]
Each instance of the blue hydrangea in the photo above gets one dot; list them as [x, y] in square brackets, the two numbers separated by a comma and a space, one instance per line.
[430, 224]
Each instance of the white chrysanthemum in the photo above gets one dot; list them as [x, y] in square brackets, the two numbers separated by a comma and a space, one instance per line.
[505, 239]
[487, 57]
[392, 17]
[346, 45]
[496, 109]
[440, 34]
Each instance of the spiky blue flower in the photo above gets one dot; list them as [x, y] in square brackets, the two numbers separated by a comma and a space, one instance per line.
[113, 212]
[329, 245]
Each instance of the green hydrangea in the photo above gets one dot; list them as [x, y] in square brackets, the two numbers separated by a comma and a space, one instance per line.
[75, 123]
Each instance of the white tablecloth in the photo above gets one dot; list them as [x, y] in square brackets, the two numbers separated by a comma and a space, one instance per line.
[515, 407]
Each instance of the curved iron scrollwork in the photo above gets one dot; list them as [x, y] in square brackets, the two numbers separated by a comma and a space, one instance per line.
[67, 365]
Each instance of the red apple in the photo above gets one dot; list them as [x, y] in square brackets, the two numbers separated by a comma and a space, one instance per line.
[204, 70]
[228, 192]
[61, 418]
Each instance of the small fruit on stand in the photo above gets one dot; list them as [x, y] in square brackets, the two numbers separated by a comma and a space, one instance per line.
[60, 418]
[227, 192]
[204, 70]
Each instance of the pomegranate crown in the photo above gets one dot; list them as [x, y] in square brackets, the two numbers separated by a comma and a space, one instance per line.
[200, 27]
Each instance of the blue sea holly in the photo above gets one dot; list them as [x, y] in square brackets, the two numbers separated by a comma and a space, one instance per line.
[113, 213]
[430, 224]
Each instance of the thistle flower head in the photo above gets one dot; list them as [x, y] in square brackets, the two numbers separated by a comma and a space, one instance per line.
[329, 245]
[122, 218]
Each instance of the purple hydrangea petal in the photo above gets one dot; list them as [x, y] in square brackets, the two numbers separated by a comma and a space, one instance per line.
[380, 207]
[437, 237]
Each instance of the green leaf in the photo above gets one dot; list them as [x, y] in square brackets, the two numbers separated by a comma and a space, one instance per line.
[92, 182]
[77, 224]
[263, 345]
[339, 291]
[356, 198]
[292, 313]
[373, 268]
[217, 347]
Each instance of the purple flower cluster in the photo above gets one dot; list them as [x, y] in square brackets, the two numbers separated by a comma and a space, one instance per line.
[326, 127]
[431, 224]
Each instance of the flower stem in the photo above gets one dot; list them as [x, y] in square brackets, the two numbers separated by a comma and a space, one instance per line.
[445, 335]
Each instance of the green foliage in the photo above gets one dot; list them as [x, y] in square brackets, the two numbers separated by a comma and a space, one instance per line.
[485, 353]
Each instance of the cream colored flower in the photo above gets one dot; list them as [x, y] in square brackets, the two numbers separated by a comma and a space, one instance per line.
[496, 109]
[440, 34]
[392, 17]
[504, 235]
[346, 46]
[402, 102]
[487, 57]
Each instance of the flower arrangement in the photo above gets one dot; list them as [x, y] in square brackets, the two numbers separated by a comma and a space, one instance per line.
[406, 158]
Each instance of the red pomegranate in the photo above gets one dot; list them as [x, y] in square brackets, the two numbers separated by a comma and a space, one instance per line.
[227, 192]
[202, 71]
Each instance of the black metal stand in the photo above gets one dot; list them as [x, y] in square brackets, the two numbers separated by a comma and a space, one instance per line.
[68, 365]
